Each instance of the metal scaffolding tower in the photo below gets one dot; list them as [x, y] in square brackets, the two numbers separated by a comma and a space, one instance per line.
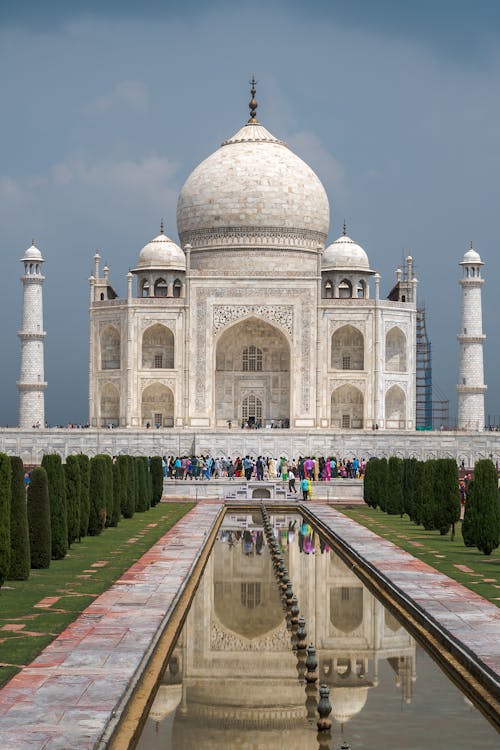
[431, 412]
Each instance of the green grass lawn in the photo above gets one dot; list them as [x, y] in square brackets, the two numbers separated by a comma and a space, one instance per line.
[28, 624]
[477, 572]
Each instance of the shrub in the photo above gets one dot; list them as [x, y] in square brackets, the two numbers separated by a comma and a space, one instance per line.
[108, 491]
[410, 485]
[394, 484]
[381, 484]
[447, 496]
[418, 500]
[469, 522]
[369, 483]
[142, 489]
[73, 497]
[19, 569]
[57, 497]
[117, 490]
[84, 464]
[427, 497]
[132, 485]
[156, 471]
[97, 493]
[126, 507]
[5, 490]
[39, 519]
[487, 506]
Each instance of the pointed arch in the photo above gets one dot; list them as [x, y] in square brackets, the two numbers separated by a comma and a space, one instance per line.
[157, 406]
[109, 405]
[158, 346]
[395, 408]
[110, 348]
[345, 289]
[395, 350]
[348, 349]
[347, 407]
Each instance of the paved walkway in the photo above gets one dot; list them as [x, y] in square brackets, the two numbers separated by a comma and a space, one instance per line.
[65, 698]
[466, 616]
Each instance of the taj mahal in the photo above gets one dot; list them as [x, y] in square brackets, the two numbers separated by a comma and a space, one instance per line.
[252, 319]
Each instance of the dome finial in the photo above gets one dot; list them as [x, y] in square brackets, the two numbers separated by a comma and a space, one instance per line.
[33, 242]
[253, 103]
[471, 245]
[345, 229]
[161, 227]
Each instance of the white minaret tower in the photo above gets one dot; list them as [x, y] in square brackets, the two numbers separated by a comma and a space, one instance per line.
[31, 383]
[471, 387]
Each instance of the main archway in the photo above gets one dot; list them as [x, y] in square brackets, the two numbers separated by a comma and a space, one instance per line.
[252, 375]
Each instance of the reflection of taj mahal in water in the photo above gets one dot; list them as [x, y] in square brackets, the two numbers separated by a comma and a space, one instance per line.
[255, 319]
[237, 671]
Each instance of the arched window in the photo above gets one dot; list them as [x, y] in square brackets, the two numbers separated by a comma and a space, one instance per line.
[251, 408]
[161, 288]
[110, 349]
[145, 288]
[158, 347]
[345, 289]
[252, 359]
[328, 289]
[361, 289]
[177, 288]
[395, 350]
[348, 346]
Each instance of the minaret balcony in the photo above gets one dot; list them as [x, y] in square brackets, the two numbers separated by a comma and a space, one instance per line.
[464, 338]
[472, 388]
[32, 386]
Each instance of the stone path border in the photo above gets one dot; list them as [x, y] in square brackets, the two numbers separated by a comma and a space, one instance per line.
[462, 622]
[80, 683]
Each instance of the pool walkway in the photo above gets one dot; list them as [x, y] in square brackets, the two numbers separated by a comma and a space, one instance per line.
[70, 695]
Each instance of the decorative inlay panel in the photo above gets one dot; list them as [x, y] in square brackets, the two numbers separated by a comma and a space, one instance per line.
[224, 315]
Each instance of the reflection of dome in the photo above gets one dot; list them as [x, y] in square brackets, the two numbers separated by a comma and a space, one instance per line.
[162, 253]
[253, 191]
[166, 701]
[347, 702]
[345, 254]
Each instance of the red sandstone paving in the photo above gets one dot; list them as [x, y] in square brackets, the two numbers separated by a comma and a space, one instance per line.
[65, 698]
[467, 616]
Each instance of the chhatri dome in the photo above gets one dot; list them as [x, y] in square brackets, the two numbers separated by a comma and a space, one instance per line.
[161, 253]
[253, 191]
[346, 255]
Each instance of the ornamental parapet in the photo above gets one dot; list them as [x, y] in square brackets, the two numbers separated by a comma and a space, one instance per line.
[38, 385]
[464, 338]
[32, 335]
[472, 388]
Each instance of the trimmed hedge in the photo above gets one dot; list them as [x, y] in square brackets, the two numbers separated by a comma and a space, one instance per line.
[52, 464]
[5, 491]
[19, 569]
[39, 519]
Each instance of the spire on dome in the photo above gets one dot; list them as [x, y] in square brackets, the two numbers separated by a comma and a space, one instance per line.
[345, 229]
[253, 103]
[161, 227]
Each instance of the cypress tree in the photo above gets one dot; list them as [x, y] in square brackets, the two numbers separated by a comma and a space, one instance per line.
[369, 482]
[19, 536]
[410, 485]
[381, 484]
[447, 504]
[469, 522]
[428, 499]
[97, 493]
[418, 502]
[126, 506]
[108, 492]
[84, 464]
[487, 506]
[57, 496]
[39, 519]
[394, 497]
[73, 497]
[142, 496]
[5, 493]
[117, 490]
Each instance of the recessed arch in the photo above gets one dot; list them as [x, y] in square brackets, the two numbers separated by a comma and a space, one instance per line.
[109, 405]
[346, 607]
[328, 289]
[160, 288]
[347, 404]
[110, 348]
[345, 289]
[158, 347]
[144, 288]
[252, 362]
[395, 350]
[395, 408]
[348, 349]
[177, 288]
[157, 406]
[361, 289]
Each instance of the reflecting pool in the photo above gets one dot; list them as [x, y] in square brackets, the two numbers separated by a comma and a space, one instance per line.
[234, 681]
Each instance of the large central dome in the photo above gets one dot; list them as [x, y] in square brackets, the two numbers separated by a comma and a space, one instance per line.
[253, 193]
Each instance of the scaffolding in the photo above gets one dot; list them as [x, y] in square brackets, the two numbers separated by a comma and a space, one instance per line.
[432, 406]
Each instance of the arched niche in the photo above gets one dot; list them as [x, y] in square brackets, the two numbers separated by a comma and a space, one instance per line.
[144, 288]
[110, 348]
[177, 288]
[395, 350]
[157, 406]
[348, 349]
[252, 369]
[347, 408]
[110, 405]
[346, 607]
[158, 347]
[361, 289]
[345, 289]
[395, 408]
[160, 288]
[328, 289]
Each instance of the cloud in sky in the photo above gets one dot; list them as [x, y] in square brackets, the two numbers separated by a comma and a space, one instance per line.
[107, 108]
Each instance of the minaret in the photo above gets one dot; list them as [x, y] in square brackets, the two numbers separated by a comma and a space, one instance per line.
[31, 384]
[471, 386]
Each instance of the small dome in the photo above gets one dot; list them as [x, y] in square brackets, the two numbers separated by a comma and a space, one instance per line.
[347, 702]
[162, 254]
[471, 256]
[32, 253]
[345, 254]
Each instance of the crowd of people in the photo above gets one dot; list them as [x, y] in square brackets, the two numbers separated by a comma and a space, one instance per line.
[262, 468]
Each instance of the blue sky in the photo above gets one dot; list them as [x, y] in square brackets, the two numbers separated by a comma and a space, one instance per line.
[108, 106]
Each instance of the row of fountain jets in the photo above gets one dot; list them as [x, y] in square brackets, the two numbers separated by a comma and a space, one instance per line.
[307, 662]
